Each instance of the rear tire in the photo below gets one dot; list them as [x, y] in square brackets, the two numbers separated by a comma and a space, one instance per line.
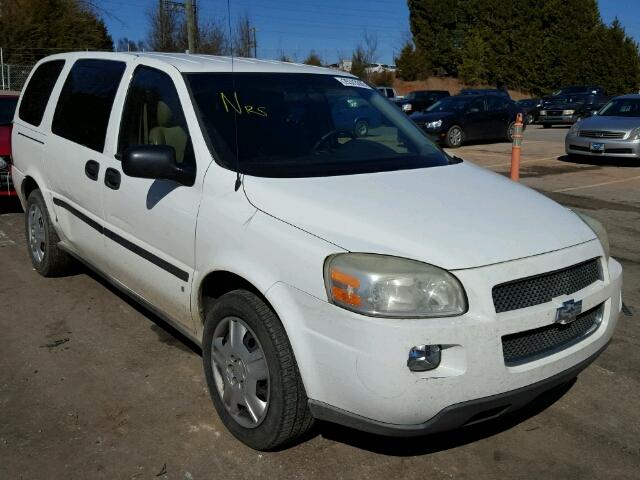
[529, 119]
[42, 240]
[361, 128]
[454, 137]
[253, 380]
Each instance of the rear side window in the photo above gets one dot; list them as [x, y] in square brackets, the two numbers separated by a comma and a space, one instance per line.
[36, 95]
[85, 103]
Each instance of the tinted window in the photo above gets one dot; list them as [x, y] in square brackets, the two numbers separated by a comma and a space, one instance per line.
[302, 125]
[84, 107]
[7, 109]
[153, 115]
[36, 95]
[496, 103]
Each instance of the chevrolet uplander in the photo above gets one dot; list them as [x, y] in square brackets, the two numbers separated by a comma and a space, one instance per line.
[368, 279]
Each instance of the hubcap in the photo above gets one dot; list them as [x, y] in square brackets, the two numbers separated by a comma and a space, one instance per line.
[362, 129]
[36, 233]
[455, 136]
[241, 372]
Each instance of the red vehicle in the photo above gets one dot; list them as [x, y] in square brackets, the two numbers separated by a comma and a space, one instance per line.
[7, 108]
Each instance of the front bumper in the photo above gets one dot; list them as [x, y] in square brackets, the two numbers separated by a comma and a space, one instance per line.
[459, 415]
[576, 145]
[558, 119]
[356, 365]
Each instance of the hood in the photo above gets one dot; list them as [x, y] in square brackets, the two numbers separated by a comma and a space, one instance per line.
[431, 116]
[455, 217]
[610, 123]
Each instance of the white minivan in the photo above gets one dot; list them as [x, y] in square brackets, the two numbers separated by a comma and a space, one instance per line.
[368, 279]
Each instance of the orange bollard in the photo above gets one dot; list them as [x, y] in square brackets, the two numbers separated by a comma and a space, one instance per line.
[515, 148]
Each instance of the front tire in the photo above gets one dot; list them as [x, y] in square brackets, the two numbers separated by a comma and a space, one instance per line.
[511, 128]
[546, 125]
[454, 137]
[361, 128]
[42, 239]
[252, 373]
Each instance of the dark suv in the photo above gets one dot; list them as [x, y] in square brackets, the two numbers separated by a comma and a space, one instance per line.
[420, 100]
[570, 104]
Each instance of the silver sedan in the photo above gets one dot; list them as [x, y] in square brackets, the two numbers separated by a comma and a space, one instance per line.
[613, 132]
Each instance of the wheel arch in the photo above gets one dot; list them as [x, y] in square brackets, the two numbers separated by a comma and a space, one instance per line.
[218, 282]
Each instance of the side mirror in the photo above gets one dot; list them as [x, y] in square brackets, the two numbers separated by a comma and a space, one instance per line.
[157, 162]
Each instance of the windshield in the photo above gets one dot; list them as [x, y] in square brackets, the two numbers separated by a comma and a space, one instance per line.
[300, 125]
[7, 109]
[621, 107]
[451, 104]
[570, 90]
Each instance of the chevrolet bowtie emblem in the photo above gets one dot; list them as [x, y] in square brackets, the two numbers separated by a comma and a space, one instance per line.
[568, 312]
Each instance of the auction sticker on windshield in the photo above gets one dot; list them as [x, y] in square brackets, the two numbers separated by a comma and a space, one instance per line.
[352, 82]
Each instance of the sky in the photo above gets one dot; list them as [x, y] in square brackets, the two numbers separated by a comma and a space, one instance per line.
[332, 28]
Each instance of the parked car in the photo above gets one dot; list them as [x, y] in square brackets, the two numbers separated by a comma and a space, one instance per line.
[613, 132]
[530, 108]
[352, 114]
[7, 109]
[390, 93]
[455, 120]
[420, 100]
[486, 91]
[388, 287]
[567, 109]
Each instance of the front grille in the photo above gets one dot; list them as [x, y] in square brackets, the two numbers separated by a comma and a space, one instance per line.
[523, 347]
[554, 113]
[538, 289]
[601, 134]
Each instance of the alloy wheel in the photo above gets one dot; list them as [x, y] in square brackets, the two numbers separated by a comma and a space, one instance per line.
[455, 136]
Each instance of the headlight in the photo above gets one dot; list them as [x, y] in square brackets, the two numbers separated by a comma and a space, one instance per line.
[385, 286]
[599, 230]
[436, 124]
[635, 134]
[406, 107]
[543, 112]
[568, 112]
[575, 129]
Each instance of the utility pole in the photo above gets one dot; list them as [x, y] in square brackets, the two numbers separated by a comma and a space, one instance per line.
[255, 42]
[190, 8]
[191, 27]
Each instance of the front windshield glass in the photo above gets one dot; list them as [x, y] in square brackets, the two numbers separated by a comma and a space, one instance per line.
[451, 104]
[299, 125]
[621, 107]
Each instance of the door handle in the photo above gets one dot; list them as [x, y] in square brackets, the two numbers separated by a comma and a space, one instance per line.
[112, 178]
[91, 169]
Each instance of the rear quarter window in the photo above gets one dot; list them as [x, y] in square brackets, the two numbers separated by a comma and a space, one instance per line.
[85, 103]
[36, 95]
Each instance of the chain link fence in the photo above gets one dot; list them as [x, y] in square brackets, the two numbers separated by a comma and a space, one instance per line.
[13, 76]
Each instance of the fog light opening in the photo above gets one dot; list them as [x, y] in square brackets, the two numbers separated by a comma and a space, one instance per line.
[423, 358]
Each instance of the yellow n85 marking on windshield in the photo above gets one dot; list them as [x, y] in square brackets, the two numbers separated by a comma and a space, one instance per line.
[239, 108]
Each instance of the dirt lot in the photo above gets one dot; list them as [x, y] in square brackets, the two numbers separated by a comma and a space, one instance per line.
[92, 386]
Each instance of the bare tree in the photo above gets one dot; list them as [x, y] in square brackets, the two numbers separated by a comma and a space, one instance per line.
[213, 39]
[244, 37]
